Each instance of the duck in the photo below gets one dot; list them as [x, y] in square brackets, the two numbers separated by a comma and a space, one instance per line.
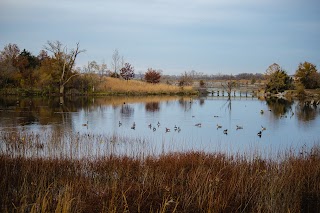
[219, 126]
[120, 124]
[175, 128]
[167, 130]
[225, 131]
[198, 124]
[263, 128]
[239, 127]
[154, 129]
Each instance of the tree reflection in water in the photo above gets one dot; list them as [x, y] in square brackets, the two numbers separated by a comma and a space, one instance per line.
[279, 107]
[152, 106]
[283, 108]
[185, 103]
[126, 110]
[306, 113]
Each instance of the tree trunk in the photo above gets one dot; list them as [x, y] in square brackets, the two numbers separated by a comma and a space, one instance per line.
[61, 90]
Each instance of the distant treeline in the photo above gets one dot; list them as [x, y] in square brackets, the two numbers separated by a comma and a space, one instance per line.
[54, 71]
[201, 76]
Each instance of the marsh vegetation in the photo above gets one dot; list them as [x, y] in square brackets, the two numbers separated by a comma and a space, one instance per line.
[174, 182]
[51, 162]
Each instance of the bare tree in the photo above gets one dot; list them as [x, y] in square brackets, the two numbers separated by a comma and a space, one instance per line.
[103, 69]
[272, 69]
[186, 79]
[115, 61]
[65, 61]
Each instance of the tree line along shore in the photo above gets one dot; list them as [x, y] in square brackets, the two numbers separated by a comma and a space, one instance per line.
[54, 72]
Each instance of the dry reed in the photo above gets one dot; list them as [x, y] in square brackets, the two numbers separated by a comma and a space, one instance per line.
[119, 86]
[176, 182]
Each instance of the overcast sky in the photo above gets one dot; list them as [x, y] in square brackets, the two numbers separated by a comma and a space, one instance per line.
[209, 36]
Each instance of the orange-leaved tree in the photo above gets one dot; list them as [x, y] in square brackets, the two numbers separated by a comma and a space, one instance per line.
[152, 76]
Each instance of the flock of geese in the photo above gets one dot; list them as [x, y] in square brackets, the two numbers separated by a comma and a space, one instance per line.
[178, 129]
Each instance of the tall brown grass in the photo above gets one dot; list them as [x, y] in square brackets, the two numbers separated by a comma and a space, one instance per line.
[176, 182]
[119, 86]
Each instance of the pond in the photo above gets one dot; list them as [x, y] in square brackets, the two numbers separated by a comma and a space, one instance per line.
[92, 127]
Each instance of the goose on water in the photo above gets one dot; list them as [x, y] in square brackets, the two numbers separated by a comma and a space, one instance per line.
[259, 134]
[239, 127]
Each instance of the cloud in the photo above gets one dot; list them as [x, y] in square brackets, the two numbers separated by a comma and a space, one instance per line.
[202, 32]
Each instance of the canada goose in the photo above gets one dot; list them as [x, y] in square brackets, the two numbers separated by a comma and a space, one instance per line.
[133, 125]
[154, 129]
[225, 131]
[198, 124]
[263, 128]
[158, 123]
[259, 134]
[239, 127]
[175, 127]
[219, 126]
[149, 126]
[120, 123]
[261, 111]
[167, 130]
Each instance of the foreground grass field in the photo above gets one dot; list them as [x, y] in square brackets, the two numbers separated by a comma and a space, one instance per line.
[178, 182]
[135, 87]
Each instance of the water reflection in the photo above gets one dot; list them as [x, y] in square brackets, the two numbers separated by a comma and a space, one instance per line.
[185, 103]
[306, 113]
[152, 106]
[126, 110]
[279, 107]
[103, 115]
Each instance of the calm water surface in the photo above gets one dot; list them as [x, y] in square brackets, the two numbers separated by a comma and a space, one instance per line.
[289, 125]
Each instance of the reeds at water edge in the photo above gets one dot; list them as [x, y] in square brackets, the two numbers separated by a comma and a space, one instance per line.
[172, 182]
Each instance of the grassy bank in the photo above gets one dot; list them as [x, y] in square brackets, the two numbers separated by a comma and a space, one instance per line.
[115, 86]
[110, 86]
[179, 182]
